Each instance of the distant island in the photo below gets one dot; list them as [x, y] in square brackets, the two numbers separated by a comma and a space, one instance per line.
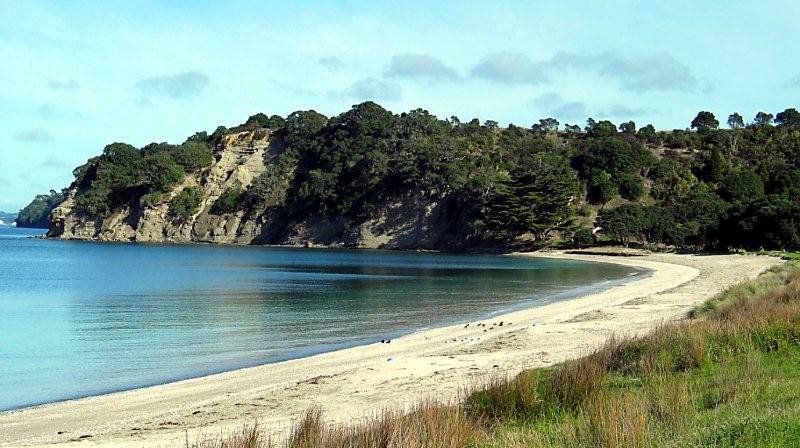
[372, 178]
[7, 218]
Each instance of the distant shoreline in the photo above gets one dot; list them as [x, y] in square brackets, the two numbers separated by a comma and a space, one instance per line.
[356, 381]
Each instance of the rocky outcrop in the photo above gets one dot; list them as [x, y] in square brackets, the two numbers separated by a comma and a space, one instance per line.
[411, 221]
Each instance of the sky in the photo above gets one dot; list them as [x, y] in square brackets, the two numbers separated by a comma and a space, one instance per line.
[77, 75]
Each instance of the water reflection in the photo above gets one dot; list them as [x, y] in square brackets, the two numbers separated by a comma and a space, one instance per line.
[82, 318]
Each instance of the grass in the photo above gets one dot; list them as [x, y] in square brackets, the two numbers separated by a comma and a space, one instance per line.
[729, 376]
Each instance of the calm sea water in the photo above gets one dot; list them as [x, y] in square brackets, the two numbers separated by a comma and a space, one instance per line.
[83, 318]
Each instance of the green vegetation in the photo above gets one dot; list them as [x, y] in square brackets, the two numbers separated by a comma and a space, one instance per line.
[186, 203]
[728, 377]
[125, 175]
[229, 200]
[707, 188]
[37, 214]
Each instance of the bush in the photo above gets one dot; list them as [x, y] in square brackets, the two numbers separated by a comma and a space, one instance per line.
[229, 201]
[631, 187]
[583, 238]
[186, 203]
[193, 155]
[601, 188]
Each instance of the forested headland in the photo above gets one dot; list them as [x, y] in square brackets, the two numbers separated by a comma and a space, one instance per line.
[704, 187]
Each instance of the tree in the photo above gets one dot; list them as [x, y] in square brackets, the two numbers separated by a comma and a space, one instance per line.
[602, 128]
[742, 186]
[789, 118]
[600, 188]
[536, 198]
[705, 121]
[770, 222]
[670, 180]
[735, 121]
[648, 134]
[229, 201]
[698, 216]
[616, 156]
[261, 120]
[193, 155]
[631, 187]
[715, 166]
[186, 203]
[36, 215]
[161, 172]
[625, 224]
[546, 125]
[628, 127]
[762, 119]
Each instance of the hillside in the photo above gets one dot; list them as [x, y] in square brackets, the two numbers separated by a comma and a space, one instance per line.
[6, 218]
[371, 178]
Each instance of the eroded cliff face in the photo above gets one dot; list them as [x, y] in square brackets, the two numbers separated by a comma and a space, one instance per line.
[410, 221]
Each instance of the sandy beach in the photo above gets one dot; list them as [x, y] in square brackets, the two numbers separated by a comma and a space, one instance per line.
[354, 383]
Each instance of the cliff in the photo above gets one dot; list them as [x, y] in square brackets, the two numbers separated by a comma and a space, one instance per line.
[371, 178]
[409, 220]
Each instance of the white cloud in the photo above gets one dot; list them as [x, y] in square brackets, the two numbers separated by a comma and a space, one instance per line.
[510, 68]
[331, 62]
[69, 84]
[420, 66]
[180, 85]
[654, 72]
[37, 135]
[374, 89]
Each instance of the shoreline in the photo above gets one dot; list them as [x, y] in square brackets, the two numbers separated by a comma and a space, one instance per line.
[524, 304]
[354, 382]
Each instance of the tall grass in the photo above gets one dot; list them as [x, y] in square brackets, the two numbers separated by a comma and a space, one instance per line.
[698, 382]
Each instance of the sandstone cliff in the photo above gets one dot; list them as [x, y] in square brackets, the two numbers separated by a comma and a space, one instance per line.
[410, 221]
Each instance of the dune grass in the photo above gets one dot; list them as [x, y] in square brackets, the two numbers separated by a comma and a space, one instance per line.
[729, 376]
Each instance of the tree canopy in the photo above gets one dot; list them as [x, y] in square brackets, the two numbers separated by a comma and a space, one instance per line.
[709, 188]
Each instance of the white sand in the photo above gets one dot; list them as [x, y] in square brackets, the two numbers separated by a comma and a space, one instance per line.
[353, 383]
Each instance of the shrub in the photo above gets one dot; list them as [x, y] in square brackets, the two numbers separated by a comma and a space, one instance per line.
[229, 201]
[186, 203]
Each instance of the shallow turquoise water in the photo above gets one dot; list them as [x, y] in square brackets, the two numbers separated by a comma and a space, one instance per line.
[82, 318]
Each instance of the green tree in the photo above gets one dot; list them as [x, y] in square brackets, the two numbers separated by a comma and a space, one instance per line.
[628, 127]
[536, 198]
[186, 203]
[704, 121]
[742, 186]
[601, 188]
[698, 216]
[193, 155]
[763, 119]
[631, 187]
[617, 156]
[789, 118]
[546, 125]
[603, 128]
[769, 222]
[625, 224]
[735, 121]
[37, 213]
[160, 172]
[648, 134]
[229, 201]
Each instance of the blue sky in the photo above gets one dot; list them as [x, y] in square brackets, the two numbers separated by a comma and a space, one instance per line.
[77, 75]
